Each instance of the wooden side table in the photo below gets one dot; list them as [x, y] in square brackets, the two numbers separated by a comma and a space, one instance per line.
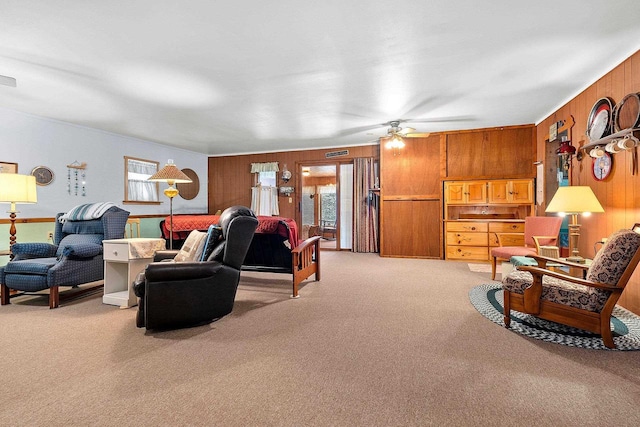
[123, 260]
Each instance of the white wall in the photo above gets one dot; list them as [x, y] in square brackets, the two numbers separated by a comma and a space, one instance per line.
[32, 141]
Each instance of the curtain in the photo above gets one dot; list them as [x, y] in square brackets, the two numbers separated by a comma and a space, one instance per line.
[264, 167]
[366, 206]
[139, 188]
[264, 200]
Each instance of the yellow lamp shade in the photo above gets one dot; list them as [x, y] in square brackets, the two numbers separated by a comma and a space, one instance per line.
[574, 200]
[15, 188]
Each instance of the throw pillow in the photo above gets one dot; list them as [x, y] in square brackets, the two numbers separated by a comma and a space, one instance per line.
[192, 247]
[214, 236]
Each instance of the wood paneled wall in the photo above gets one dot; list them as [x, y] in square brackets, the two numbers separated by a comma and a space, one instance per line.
[230, 179]
[411, 194]
[506, 152]
[619, 194]
[411, 181]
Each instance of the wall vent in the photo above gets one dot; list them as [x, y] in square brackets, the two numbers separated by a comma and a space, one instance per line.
[331, 154]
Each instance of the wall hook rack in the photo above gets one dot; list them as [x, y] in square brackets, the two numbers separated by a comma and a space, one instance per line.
[77, 165]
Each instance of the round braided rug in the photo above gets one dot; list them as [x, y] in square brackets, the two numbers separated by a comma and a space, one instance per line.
[488, 300]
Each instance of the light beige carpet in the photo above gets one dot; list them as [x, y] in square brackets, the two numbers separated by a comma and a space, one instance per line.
[378, 342]
[481, 268]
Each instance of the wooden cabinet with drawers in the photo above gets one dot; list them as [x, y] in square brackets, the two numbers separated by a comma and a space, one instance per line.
[504, 227]
[473, 240]
[467, 240]
[476, 211]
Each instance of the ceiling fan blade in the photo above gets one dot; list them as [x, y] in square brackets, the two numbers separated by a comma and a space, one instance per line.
[8, 81]
[358, 129]
[418, 135]
[419, 106]
[440, 119]
[406, 130]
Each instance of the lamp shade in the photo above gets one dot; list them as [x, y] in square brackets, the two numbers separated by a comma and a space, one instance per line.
[171, 174]
[574, 200]
[16, 188]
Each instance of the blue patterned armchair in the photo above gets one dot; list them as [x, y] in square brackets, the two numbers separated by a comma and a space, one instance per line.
[74, 258]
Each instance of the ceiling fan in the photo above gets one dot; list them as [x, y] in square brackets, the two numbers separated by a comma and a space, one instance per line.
[395, 129]
[395, 134]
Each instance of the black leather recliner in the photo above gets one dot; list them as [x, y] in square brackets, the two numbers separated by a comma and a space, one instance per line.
[182, 294]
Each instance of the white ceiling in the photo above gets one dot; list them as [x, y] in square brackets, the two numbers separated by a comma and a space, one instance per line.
[226, 77]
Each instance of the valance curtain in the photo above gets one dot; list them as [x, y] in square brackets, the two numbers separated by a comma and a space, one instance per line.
[264, 200]
[366, 206]
[264, 167]
[139, 187]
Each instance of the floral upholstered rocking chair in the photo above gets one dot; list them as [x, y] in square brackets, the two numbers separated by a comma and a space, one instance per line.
[582, 303]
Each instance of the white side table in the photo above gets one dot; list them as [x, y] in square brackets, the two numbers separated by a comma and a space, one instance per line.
[123, 260]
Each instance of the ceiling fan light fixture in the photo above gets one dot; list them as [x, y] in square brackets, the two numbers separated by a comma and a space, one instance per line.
[395, 142]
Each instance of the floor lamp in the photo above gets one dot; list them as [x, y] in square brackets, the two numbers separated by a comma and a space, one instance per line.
[171, 175]
[574, 201]
[14, 189]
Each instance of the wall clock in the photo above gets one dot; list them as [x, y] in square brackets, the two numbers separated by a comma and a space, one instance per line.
[44, 175]
[602, 167]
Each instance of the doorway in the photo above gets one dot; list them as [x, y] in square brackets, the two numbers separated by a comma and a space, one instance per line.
[326, 207]
[320, 203]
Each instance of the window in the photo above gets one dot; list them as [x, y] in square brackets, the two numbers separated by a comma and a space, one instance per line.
[328, 204]
[137, 188]
[267, 179]
[264, 195]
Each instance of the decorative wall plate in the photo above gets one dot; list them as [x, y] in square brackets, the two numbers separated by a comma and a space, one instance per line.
[44, 175]
[600, 119]
[189, 190]
[626, 113]
[602, 167]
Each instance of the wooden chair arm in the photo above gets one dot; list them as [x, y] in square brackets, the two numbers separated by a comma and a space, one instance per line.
[539, 272]
[510, 239]
[305, 259]
[552, 240]
[308, 242]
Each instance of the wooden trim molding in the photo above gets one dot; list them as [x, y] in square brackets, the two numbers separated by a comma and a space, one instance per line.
[52, 219]
[27, 220]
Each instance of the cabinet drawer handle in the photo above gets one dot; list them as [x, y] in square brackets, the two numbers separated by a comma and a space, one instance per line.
[473, 229]
[115, 253]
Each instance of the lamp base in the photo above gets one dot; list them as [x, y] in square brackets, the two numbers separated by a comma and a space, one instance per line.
[577, 259]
